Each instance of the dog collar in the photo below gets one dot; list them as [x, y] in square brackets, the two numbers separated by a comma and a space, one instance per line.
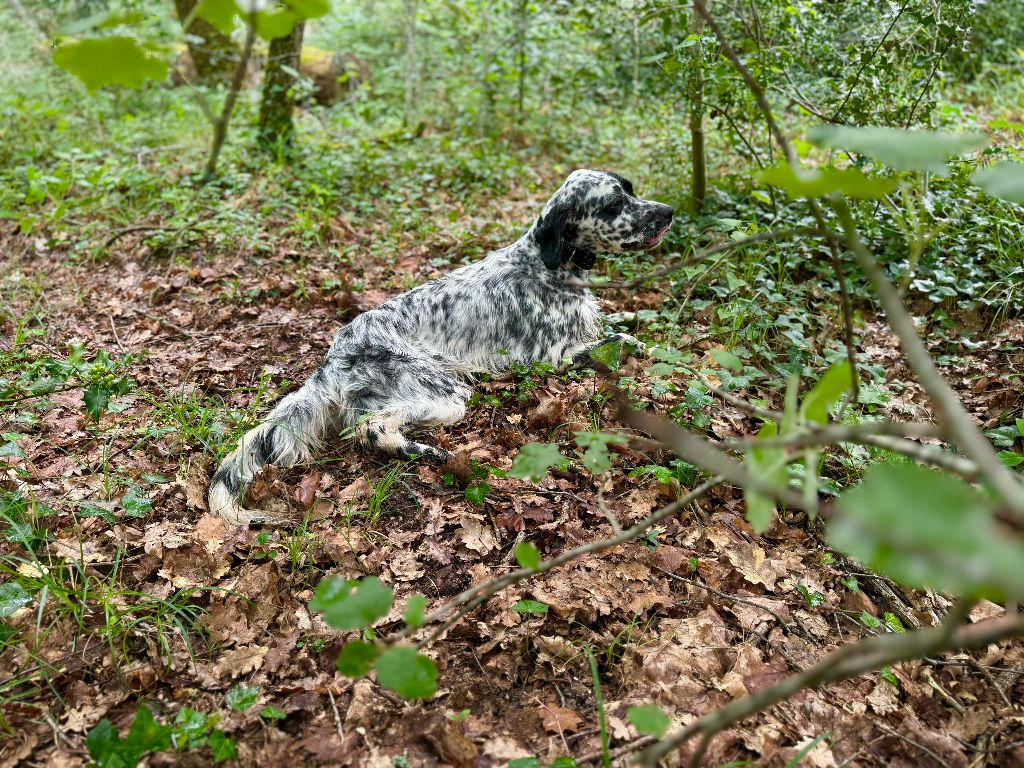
[582, 259]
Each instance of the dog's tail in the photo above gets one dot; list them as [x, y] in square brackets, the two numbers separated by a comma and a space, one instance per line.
[289, 436]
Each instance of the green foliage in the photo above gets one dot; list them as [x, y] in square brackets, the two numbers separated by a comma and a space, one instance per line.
[535, 459]
[836, 382]
[12, 597]
[768, 464]
[928, 530]
[900, 149]
[415, 608]
[530, 606]
[649, 720]
[241, 698]
[402, 670]
[357, 604]
[114, 60]
[527, 555]
[1004, 180]
[108, 750]
[356, 658]
[852, 182]
[595, 457]
[352, 603]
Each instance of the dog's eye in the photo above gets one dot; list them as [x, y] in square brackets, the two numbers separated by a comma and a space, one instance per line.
[614, 208]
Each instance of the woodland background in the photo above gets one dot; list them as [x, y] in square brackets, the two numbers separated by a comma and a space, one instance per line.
[167, 274]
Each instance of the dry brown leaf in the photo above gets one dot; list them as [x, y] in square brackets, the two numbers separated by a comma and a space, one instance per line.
[558, 719]
[884, 698]
[305, 492]
[475, 535]
[240, 661]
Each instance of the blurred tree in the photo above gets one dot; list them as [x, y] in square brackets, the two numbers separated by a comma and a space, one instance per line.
[213, 54]
[280, 75]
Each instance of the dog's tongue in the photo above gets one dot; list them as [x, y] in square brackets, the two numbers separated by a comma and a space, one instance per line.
[661, 233]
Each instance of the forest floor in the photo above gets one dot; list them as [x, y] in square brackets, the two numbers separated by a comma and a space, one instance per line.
[698, 613]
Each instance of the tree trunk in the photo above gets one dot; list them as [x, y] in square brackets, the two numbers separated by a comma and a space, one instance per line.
[409, 106]
[278, 101]
[699, 178]
[212, 52]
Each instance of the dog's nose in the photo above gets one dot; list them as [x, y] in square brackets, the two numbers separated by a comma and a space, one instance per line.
[666, 210]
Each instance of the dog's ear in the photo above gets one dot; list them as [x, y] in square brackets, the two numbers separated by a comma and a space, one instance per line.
[550, 233]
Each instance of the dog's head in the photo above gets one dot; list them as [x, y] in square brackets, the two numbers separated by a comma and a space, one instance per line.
[594, 212]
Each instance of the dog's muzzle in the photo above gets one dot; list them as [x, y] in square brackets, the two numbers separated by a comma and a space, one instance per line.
[662, 222]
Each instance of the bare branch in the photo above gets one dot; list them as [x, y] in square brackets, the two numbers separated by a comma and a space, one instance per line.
[846, 662]
[466, 601]
[699, 256]
[954, 417]
[704, 454]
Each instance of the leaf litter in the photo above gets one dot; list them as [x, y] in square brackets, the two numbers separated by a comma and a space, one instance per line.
[742, 623]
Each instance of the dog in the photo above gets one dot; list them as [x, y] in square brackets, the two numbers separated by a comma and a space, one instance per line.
[408, 362]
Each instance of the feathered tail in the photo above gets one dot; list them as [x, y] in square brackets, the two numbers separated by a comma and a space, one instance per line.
[289, 436]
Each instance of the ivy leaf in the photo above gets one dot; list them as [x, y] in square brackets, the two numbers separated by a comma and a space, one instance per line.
[927, 529]
[352, 604]
[837, 381]
[135, 504]
[768, 465]
[727, 359]
[356, 658]
[402, 670]
[115, 60]
[96, 398]
[1011, 459]
[535, 459]
[524, 762]
[240, 698]
[223, 747]
[272, 713]
[869, 621]
[12, 597]
[415, 609]
[530, 606]
[649, 720]
[904, 150]
[609, 355]
[527, 555]
[800, 182]
[1005, 180]
[475, 494]
[595, 457]
[191, 728]
[146, 735]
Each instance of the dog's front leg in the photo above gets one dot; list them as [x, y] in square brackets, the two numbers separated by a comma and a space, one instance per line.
[582, 355]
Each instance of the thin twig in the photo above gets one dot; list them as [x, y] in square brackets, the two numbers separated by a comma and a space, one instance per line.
[220, 129]
[856, 78]
[848, 661]
[954, 417]
[699, 256]
[465, 601]
[698, 451]
[727, 596]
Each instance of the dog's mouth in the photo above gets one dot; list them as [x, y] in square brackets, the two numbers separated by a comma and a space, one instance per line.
[656, 238]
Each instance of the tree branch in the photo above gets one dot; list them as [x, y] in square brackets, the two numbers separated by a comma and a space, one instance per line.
[220, 128]
[699, 256]
[846, 662]
[466, 601]
[954, 417]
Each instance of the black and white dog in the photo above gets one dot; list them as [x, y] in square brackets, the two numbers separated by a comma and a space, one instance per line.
[408, 361]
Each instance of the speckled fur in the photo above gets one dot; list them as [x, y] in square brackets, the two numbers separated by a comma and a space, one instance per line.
[408, 361]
